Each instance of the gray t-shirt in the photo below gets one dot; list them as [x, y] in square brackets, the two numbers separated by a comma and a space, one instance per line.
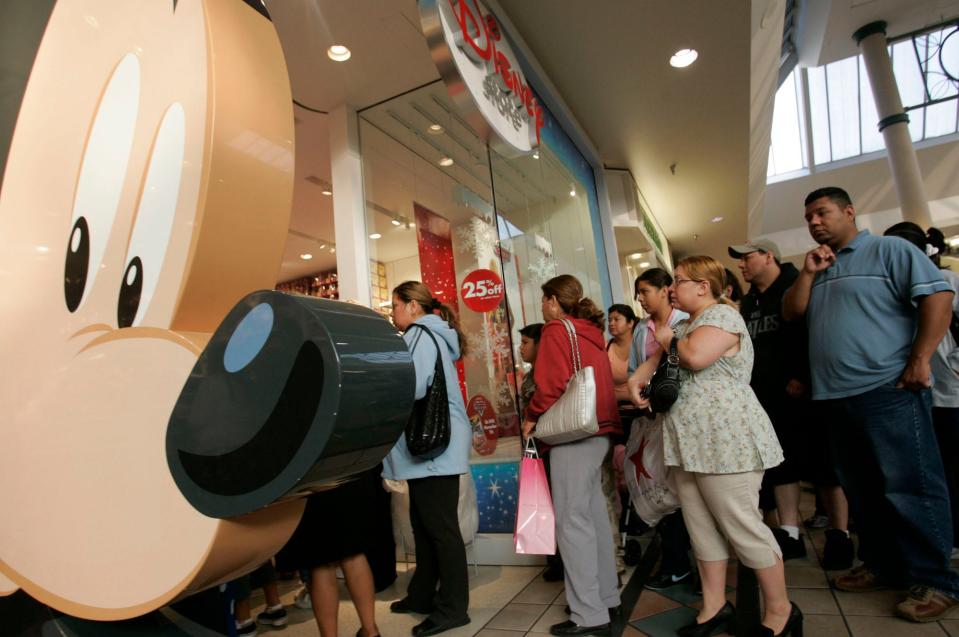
[863, 313]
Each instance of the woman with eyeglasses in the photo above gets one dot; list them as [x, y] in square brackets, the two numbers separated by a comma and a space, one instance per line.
[718, 441]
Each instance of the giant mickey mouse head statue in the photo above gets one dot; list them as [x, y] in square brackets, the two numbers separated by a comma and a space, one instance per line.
[158, 417]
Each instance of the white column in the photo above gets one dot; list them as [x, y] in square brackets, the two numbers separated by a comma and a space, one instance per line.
[349, 208]
[894, 124]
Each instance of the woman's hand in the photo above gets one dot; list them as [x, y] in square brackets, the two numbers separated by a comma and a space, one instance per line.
[528, 427]
[664, 335]
[635, 385]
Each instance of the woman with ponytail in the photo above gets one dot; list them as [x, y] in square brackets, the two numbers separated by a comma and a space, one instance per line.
[718, 441]
[433, 484]
[583, 530]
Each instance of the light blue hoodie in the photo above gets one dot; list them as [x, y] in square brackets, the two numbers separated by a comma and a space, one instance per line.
[637, 353]
[400, 464]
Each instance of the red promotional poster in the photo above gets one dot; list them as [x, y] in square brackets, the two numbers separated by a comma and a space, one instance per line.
[482, 290]
[483, 423]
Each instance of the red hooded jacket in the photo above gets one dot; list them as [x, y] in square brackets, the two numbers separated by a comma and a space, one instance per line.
[554, 368]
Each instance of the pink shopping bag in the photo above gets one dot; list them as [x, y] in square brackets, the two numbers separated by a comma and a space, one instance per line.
[535, 523]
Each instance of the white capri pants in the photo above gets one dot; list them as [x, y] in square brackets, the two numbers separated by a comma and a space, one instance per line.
[721, 507]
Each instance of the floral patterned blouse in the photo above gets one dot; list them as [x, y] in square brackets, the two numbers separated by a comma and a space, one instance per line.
[716, 424]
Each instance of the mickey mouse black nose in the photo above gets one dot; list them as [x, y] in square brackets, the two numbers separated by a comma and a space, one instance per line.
[291, 392]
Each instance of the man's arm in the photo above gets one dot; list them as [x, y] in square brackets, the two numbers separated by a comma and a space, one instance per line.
[796, 299]
[935, 312]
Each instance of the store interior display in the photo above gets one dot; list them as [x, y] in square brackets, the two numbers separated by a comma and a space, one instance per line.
[322, 285]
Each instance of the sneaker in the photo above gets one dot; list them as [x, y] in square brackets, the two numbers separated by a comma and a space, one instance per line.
[273, 616]
[859, 580]
[817, 521]
[302, 599]
[246, 629]
[838, 552]
[926, 604]
[792, 549]
[664, 580]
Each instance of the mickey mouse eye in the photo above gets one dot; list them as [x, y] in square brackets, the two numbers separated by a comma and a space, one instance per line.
[130, 293]
[154, 220]
[78, 262]
[100, 182]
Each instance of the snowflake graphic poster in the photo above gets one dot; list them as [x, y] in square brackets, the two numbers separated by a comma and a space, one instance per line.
[435, 243]
[496, 495]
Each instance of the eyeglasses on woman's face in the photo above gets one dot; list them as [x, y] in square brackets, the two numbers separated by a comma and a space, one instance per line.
[678, 282]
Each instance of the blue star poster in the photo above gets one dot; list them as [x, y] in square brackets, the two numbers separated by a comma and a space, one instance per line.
[496, 494]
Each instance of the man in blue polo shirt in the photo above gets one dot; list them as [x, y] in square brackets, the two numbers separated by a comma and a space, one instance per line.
[876, 310]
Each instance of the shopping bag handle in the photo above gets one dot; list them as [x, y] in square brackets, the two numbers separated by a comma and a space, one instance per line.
[530, 451]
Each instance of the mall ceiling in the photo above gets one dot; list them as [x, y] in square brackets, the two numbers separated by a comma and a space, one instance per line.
[695, 139]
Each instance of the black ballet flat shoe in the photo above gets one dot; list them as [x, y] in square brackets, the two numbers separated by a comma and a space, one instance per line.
[793, 627]
[724, 618]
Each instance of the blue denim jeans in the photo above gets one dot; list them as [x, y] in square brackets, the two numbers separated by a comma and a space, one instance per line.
[888, 463]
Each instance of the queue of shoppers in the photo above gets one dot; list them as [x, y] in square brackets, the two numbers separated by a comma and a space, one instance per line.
[843, 372]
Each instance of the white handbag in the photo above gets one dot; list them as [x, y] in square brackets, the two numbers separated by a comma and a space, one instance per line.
[573, 416]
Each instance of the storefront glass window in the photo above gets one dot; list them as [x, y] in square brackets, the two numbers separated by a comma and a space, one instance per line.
[481, 229]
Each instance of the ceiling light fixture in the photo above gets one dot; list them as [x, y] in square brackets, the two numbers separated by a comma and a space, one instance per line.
[306, 256]
[535, 154]
[338, 53]
[446, 161]
[435, 129]
[644, 264]
[572, 192]
[396, 222]
[332, 250]
[636, 255]
[683, 58]
[326, 191]
[322, 245]
[716, 219]
[375, 235]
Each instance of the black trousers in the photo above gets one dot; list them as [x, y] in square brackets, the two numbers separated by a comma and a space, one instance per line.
[440, 553]
[675, 544]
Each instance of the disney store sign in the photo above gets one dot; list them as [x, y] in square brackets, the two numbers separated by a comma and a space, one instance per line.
[481, 71]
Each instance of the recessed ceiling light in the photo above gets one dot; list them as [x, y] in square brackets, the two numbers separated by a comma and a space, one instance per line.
[338, 53]
[375, 235]
[326, 191]
[644, 264]
[636, 255]
[716, 219]
[535, 154]
[322, 245]
[435, 129]
[683, 58]
[446, 161]
[332, 250]
[396, 222]
[306, 256]
[572, 192]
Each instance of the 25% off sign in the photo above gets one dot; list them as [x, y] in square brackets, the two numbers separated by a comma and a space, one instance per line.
[482, 290]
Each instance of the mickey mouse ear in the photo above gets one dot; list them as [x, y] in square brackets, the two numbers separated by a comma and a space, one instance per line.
[291, 392]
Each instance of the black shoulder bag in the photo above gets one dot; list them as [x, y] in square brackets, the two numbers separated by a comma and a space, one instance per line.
[663, 387]
[428, 428]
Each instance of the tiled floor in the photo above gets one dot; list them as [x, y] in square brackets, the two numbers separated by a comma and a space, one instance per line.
[515, 601]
